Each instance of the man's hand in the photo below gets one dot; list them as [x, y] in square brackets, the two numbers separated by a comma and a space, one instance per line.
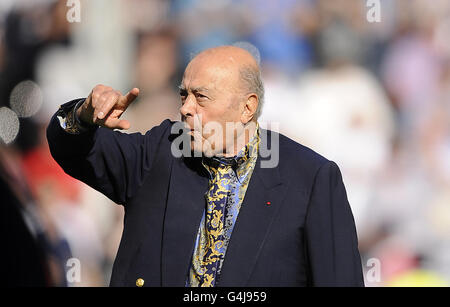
[104, 106]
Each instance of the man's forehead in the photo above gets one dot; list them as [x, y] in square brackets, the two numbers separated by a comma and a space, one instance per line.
[207, 75]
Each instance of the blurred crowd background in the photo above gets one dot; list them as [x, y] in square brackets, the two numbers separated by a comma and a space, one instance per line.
[372, 96]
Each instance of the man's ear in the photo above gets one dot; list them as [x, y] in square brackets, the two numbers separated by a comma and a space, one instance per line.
[250, 107]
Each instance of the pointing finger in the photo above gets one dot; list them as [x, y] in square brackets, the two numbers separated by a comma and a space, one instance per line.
[131, 96]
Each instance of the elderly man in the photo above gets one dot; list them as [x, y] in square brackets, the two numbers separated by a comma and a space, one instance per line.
[201, 207]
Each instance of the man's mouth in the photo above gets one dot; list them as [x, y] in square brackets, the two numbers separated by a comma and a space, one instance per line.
[193, 132]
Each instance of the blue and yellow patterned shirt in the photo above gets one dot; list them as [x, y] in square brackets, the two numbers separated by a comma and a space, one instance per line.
[229, 179]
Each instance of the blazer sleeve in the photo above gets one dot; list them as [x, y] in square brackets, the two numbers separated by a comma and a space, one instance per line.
[331, 239]
[111, 162]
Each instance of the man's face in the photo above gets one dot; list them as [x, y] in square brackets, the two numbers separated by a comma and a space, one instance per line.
[211, 97]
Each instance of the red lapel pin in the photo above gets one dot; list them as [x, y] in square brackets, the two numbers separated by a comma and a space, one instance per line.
[268, 203]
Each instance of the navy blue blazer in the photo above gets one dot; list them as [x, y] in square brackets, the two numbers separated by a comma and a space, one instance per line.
[305, 237]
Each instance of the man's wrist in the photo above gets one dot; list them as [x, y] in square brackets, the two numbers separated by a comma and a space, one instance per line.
[69, 121]
[84, 126]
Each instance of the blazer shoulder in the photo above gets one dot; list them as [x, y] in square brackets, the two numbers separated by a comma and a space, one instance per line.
[152, 138]
[158, 134]
[162, 129]
[294, 153]
[300, 165]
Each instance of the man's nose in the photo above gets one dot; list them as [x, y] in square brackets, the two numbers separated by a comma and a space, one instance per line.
[188, 109]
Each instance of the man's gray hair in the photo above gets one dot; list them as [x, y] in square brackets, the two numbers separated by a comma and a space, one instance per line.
[251, 77]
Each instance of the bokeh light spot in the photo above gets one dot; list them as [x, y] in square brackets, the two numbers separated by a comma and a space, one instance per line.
[26, 98]
[9, 125]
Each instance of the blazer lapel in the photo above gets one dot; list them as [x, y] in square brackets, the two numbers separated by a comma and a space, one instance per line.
[185, 205]
[261, 203]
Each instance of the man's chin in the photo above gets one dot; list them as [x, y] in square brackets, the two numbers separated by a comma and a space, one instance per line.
[200, 149]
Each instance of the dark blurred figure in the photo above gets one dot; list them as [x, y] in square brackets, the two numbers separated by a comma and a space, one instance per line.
[28, 257]
[33, 253]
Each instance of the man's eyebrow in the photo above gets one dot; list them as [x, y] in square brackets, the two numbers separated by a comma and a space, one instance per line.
[200, 89]
[194, 89]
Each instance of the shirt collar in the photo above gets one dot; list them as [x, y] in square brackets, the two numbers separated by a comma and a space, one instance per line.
[248, 152]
